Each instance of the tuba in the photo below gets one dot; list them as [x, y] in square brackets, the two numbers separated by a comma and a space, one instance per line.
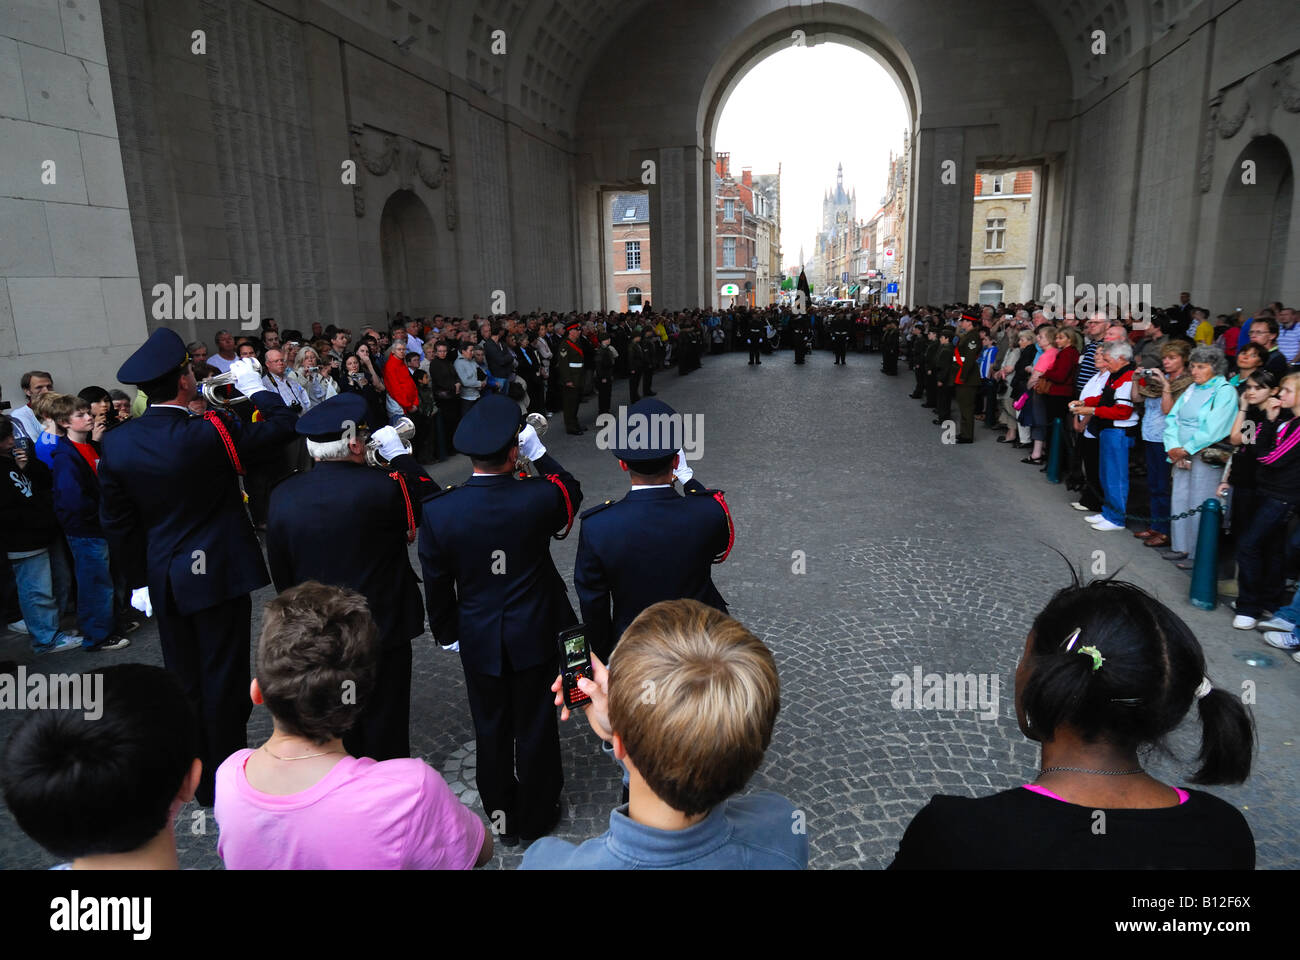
[405, 432]
[538, 423]
[220, 390]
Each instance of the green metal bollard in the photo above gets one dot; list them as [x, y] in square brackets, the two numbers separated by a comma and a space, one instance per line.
[1055, 451]
[1205, 574]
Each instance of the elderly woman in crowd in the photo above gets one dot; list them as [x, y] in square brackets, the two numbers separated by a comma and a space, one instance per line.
[1200, 418]
[320, 386]
[1111, 417]
[1107, 672]
[1261, 550]
[403, 397]
[1014, 371]
[1160, 389]
[1045, 337]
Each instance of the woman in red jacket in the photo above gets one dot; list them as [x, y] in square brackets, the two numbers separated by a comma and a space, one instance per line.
[403, 397]
[1061, 373]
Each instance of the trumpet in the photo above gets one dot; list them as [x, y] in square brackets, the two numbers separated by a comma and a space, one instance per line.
[405, 432]
[539, 423]
[220, 390]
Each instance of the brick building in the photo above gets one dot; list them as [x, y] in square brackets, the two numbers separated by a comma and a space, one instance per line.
[735, 234]
[1004, 237]
[630, 251]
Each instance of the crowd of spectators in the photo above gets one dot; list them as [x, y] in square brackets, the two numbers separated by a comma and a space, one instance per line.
[1186, 407]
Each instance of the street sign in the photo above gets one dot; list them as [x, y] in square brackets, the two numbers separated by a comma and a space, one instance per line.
[889, 253]
[844, 278]
[891, 288]
[730, 290]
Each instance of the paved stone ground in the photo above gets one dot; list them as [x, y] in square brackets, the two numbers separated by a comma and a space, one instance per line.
[916, 554]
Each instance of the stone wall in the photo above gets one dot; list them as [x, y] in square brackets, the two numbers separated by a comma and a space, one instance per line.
[69, 286]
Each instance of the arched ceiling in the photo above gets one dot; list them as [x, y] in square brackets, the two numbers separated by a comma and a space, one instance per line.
[551, 45]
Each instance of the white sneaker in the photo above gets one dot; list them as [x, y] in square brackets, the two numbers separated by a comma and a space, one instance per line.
[1095, 518]
[19, 626]
[1078, 506]
[69, 642]
[1275, 623]
[1283, 641]
[1243, 622]
[1106, 525]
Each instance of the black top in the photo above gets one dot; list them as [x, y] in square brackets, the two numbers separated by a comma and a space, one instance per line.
[1278, 476]
[1019, 829]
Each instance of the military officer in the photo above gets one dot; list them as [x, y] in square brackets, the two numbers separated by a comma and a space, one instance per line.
[570, 370]
[966, 355]
[755, 334]
[172, 504]
[800, 330]
[841, 327]
[379, 511]
[491, 586]
[678, 537]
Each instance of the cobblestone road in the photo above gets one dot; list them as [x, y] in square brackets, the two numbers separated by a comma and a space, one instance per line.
[865, 547]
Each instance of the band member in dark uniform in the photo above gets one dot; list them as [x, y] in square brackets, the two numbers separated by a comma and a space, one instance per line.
[889, 350]
[367, 553]
[841, 328]
[173, 508]
[966, 380]
[916, 357]
[800, 330]
[755, 334]
[654, 527]
[491, 586]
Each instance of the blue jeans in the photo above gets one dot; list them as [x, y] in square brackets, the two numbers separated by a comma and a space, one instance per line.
[36, 597]
[1158, 484]
[1291, 613]
[94, 588]
[1260, 559]
[1113, 448]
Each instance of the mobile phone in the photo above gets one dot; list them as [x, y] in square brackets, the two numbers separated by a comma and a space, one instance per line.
[575, 662]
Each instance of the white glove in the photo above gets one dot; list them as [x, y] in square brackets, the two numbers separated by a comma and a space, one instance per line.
[140, 600]
[453, 647]
[530, 444]
[247, 381]
[683, 471]
[390, 444]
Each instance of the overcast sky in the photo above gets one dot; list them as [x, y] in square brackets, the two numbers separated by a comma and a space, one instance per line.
[849, 111]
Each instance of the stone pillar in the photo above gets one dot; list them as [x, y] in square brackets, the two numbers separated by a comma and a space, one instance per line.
[70, 297]
[677, 230]
[940, 250]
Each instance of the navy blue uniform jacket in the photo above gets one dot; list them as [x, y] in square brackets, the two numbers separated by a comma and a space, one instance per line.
[369, 556]
[652, 545]
[168, 491]
[505, 621]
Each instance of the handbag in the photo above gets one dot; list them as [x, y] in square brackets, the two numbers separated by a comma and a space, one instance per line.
[1216, 454]
[1043, 386]
[1020, 402]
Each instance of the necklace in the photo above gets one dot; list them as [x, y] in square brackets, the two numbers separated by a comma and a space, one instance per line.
[307, 756]
[1104, 773]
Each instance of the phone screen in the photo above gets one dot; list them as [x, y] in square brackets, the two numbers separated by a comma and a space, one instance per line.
[576, 663]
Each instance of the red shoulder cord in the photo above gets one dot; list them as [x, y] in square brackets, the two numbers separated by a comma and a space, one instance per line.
[568, 504]
[410, 510]
[215, 419]
[731, 527]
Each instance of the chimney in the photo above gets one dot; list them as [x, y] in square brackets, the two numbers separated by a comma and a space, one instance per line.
[724, 164]
[747, 176]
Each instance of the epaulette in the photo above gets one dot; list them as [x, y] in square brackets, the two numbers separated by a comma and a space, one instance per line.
[706, 492]
[596, 509]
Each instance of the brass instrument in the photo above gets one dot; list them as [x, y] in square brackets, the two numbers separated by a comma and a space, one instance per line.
[539, 423]
[220, 390]
[405, 432]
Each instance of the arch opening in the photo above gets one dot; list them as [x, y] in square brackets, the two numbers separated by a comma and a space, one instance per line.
[1251, 252]
[406, 244]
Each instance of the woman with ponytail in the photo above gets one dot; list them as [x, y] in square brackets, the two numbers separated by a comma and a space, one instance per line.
[1107, 672]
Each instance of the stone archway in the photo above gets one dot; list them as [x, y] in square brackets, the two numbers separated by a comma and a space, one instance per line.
[406, 243]
[1255, 219]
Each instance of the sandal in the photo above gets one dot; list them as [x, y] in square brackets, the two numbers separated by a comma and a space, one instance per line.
[1037, 463]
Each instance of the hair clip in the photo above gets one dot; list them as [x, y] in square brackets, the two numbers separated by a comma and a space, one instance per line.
[1204, 688]
[1069, 642]
[1097, 658]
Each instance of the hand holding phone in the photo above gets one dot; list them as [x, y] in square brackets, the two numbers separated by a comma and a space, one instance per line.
[597, 690]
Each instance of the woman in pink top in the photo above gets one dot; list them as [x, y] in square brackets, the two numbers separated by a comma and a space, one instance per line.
[1045, 337]
[300, 802]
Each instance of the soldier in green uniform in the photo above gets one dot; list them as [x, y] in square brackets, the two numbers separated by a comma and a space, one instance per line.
[967, 379]
[570, 368]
